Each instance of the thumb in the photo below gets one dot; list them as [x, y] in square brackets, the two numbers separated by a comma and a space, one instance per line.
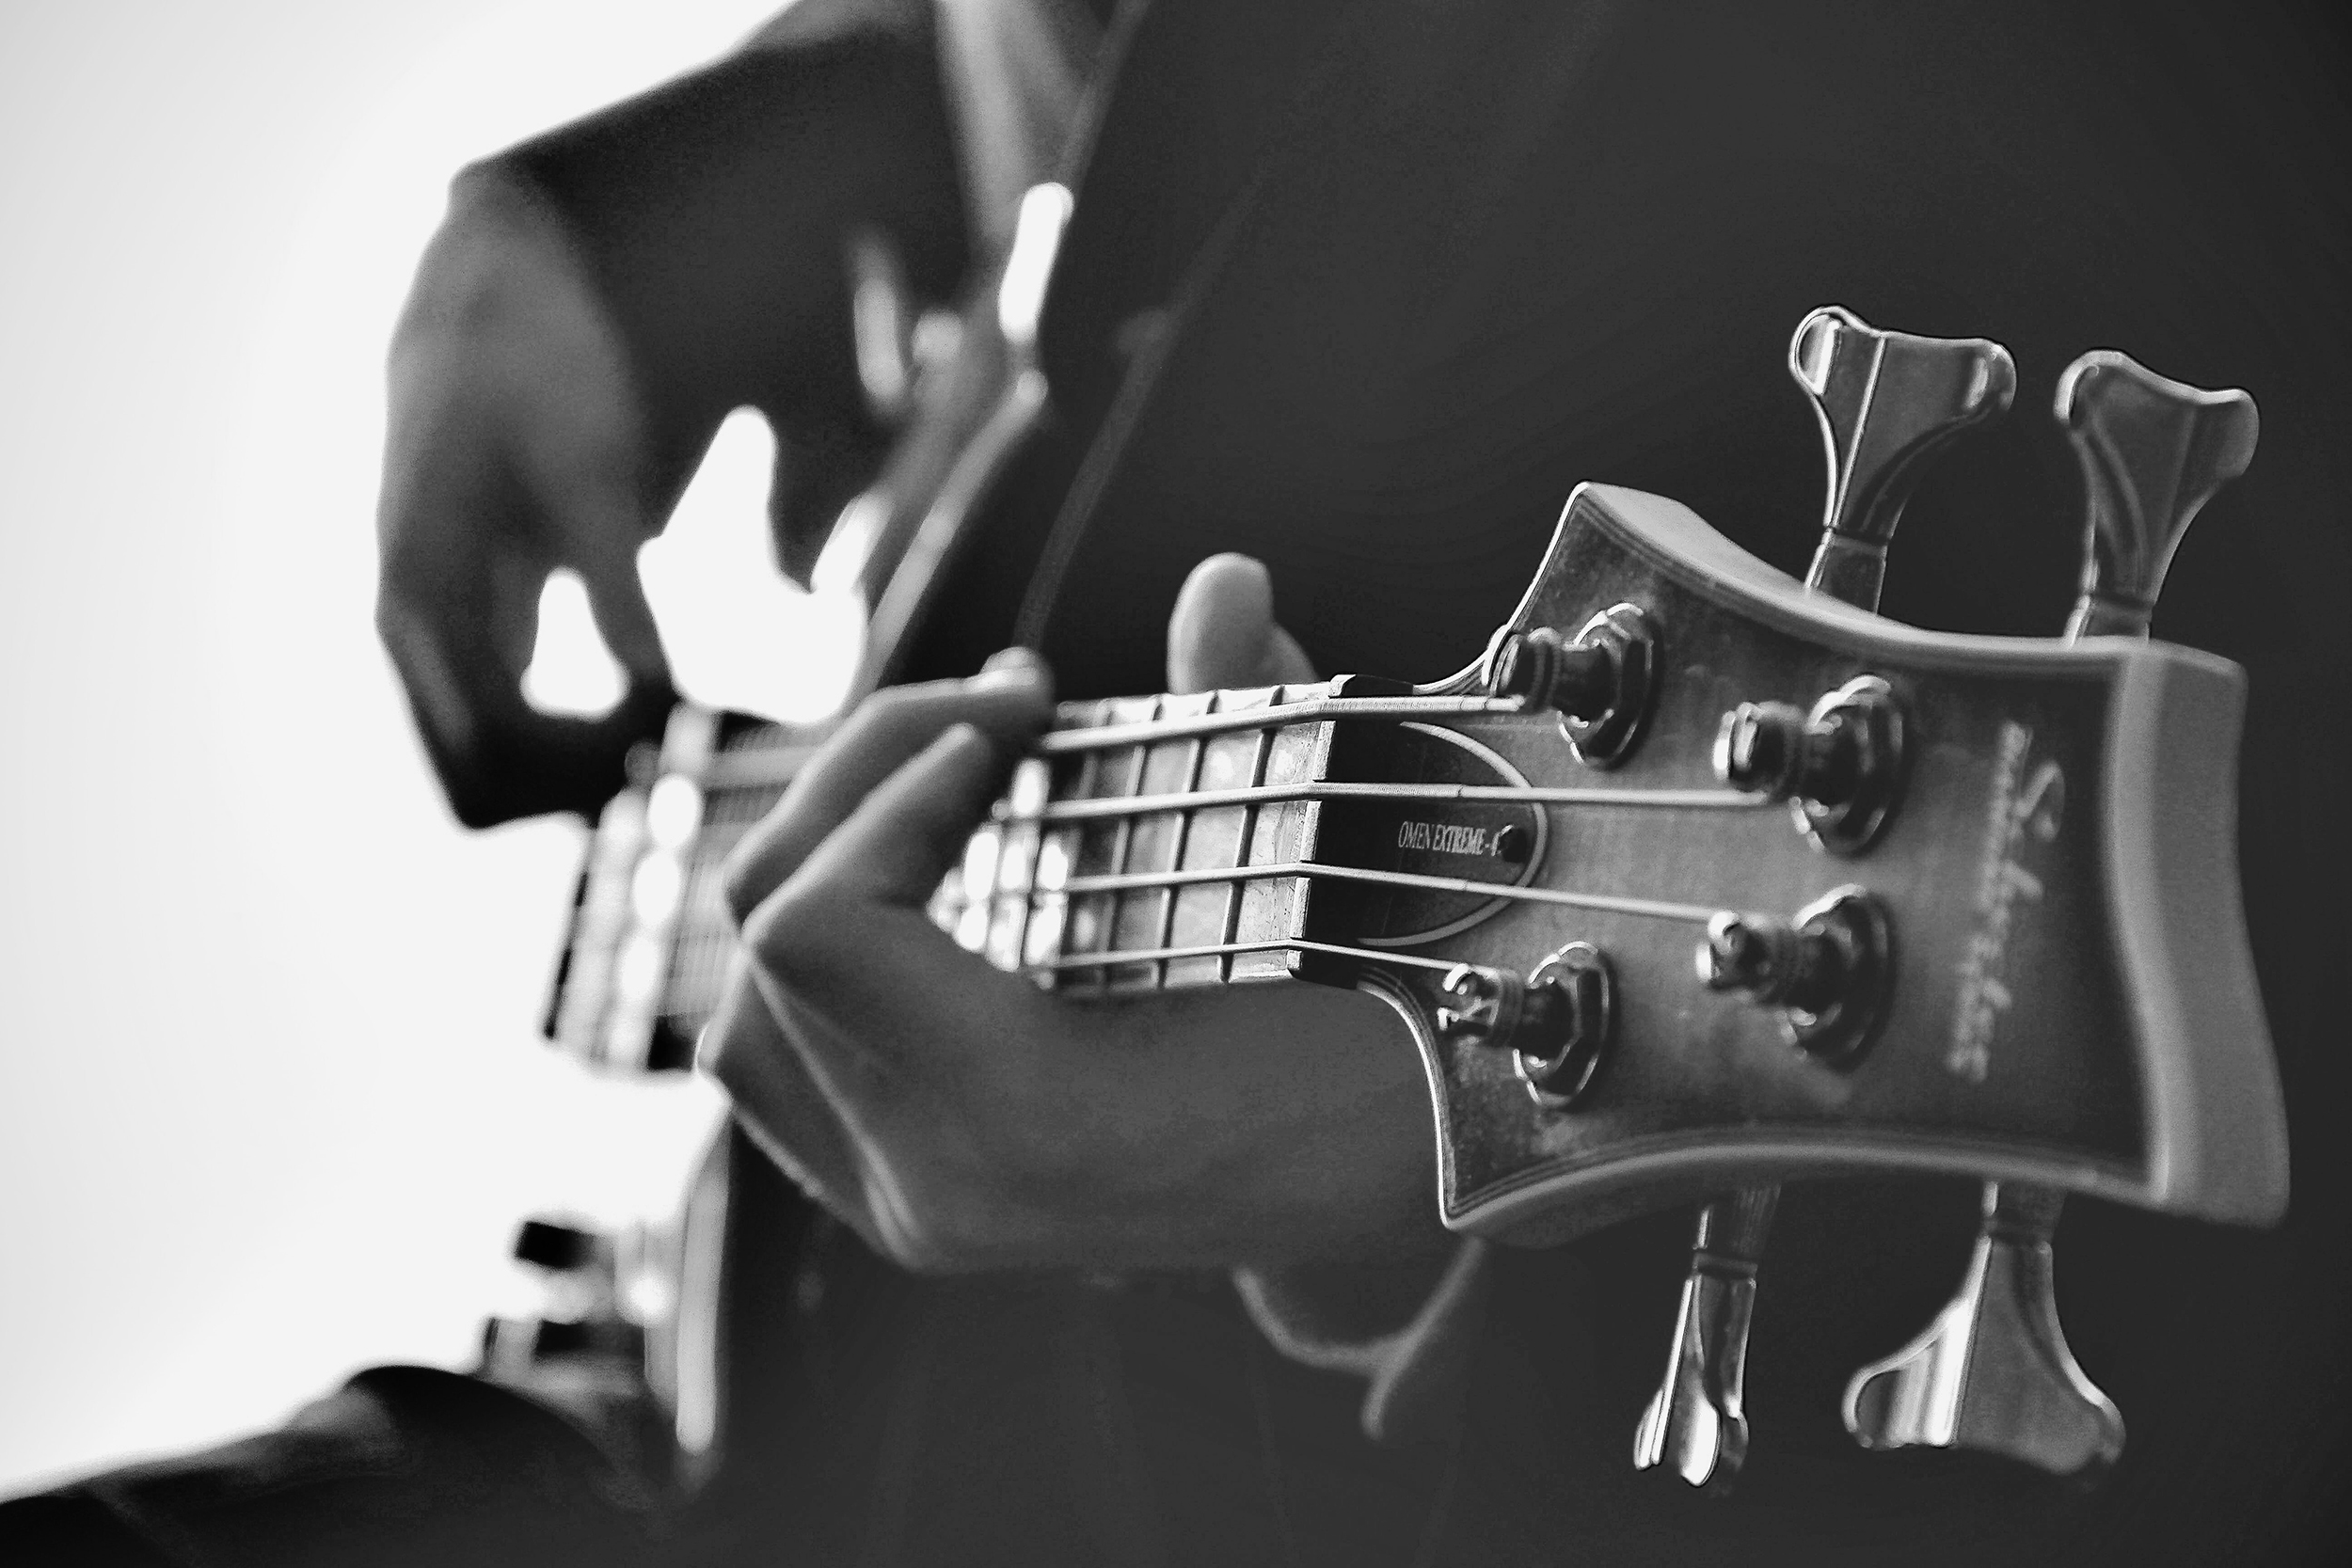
[1222, 631]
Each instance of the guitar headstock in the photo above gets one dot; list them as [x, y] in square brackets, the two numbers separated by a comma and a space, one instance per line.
[1844, 896]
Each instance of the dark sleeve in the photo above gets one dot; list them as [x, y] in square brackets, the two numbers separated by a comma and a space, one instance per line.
[402, 1464]
[713, 213]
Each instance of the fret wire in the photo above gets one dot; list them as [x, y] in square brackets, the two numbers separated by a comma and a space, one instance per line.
[1280, 716]
[1261, 749]
[1138, 805]
[1088, 781]
[1652, 907]
[1124, 847]
[1215, 949]
[1198, 754]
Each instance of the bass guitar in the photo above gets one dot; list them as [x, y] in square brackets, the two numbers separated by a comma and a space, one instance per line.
[1700, 879]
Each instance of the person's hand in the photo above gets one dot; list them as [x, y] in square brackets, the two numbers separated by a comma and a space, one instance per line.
[513, 446]
[958, 1117]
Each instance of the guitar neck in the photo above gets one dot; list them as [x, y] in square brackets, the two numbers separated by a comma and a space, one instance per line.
[1146, 844]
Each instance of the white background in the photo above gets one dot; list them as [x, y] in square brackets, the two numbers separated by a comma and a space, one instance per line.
[270, 1093]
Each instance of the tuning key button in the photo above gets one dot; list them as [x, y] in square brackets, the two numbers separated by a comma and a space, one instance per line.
[1886, 403]
[1828, 972]
[1840, 767]
[1696, 1424]
[1992, 1373]
[2153, 452]
[1600, 682]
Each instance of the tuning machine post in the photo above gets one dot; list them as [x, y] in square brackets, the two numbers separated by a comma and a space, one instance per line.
[1993, 1372]
[1840, 766]
[1828, 972]
[1556, 1023]
[1600, 682]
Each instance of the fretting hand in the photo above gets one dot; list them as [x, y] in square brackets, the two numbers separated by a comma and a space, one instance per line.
[960, 1117]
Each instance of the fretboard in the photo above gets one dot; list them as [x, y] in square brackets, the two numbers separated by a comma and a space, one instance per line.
[652, 944]
[1118, 864]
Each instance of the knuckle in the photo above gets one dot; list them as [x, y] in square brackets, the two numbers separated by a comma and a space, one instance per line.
[780, 930]
[743, 880]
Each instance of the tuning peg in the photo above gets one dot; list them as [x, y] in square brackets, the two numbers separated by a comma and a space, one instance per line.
[2153, 452]
[1886, 402]
[1695, 1424]
[1993, 1372]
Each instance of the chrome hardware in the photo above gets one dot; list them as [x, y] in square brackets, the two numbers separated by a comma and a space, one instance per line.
[1840, 767]
[1828, 971]
[1992, 1373]
[1482, 1007]
[1564, 1026]
[1555, 1023]
[1599, 682]
[2153, 452]
[1886, 403]
[1695, 1424]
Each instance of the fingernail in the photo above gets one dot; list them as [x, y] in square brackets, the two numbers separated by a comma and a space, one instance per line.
[964, 737]
[1012, 658]
[1013, 667]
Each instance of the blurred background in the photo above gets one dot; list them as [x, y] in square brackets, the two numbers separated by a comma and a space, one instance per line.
[271, 1093]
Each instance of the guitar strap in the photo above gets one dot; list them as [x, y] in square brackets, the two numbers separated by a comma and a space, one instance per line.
[1195, 283]
[1017, 74]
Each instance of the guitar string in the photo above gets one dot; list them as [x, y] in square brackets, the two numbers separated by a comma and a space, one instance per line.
[1115, 808]
[1657, 908]
[1073, 809]
[1275, 716]
[1216, 949]
[764, 764]
[775, 766]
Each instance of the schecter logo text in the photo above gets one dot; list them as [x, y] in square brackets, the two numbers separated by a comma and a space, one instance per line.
[2023, 814]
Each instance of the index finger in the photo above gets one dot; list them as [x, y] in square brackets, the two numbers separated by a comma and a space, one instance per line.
[1008, 703]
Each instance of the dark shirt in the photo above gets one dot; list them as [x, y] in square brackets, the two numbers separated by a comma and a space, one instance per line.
[1428, 266]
